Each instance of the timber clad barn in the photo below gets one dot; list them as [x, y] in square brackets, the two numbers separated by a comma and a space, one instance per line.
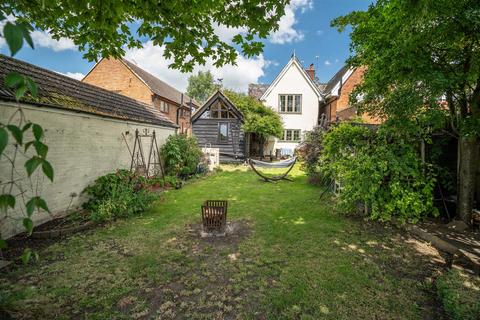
[218, 124]
[124, 77]
[87, 130]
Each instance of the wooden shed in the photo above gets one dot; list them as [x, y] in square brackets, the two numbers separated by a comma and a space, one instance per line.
[218, 124]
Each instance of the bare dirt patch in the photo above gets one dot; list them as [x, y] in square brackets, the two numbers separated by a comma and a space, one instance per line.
[212, 279]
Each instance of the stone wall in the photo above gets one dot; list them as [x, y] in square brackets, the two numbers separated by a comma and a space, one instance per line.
[82, 147]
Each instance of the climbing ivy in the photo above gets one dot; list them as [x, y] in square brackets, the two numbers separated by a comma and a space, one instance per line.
[22, 135]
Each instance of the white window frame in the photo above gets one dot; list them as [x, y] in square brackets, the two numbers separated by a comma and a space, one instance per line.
[283, 108]
[292, 132]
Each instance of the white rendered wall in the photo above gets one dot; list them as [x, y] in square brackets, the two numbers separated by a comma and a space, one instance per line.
[82, 147]
[293, 82]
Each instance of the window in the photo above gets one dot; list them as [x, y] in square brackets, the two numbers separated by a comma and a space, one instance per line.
[290, 103]
[291, 135]
[163, 106]
[219, 111]
[223, 132]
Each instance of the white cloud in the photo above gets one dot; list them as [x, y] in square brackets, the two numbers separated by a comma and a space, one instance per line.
[320, 32]
[337, 61]
[151, 59]
[286, 32]
[225, 33]
[328, 63]
[74, 75]
[44, 39]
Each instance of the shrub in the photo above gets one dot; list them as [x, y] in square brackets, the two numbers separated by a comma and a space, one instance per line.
[379, 169]
[309, 154]
[182, 155]
[460, 295]
[119, 194]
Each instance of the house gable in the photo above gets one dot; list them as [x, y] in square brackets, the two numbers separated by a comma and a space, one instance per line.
[114, 75]
[216, 97]
[302, 74]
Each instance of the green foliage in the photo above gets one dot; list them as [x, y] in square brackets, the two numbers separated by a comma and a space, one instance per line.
[115, 195]
[459, 294]
[258, 119]
[182, 155]
[379, 169]
[309, 152]
[417, 52]
[15, 33]
[186, 29]
[201, 86]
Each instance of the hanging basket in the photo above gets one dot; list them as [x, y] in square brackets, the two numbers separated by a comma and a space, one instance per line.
[214, 215]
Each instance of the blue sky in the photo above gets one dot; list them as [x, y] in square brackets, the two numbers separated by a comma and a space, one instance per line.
[305, 29]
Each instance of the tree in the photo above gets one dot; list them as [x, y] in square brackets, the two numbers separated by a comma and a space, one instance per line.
[418, 52]
[259, 119]
[201, 86]
[103, 28]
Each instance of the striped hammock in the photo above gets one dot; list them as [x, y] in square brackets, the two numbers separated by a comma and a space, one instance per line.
[289, 163]
[280, 164]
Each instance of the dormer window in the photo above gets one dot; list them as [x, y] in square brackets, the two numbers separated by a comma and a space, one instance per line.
[290, 103]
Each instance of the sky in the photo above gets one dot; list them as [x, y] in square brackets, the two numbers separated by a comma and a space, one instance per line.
[304, 29]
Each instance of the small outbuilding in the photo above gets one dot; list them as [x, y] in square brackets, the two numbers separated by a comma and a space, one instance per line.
[218, 124]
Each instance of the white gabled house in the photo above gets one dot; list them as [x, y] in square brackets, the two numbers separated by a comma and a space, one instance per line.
[295, 95]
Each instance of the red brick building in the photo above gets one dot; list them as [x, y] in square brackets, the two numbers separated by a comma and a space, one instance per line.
[336, 104]
[126, 78]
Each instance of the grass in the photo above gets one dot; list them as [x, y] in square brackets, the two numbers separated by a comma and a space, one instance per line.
[460, 294]
[293, 257]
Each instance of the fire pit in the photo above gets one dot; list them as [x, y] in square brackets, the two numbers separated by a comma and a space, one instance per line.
[214, 216]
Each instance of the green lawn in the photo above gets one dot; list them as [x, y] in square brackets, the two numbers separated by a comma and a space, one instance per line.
[294, 257]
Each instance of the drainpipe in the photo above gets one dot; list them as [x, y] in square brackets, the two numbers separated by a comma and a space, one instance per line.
[178, 110]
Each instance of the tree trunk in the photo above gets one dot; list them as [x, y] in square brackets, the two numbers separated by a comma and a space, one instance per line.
[262, 144]
[468, 163]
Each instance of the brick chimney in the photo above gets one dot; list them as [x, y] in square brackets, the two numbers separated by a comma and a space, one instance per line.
[311, 72]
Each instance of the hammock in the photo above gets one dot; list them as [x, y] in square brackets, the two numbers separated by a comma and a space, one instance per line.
[289, 163]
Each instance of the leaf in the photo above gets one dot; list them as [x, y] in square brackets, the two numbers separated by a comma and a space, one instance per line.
[25, 28]
[3, 244]
[41, 149]
[32, 164]
[47, 169]
[37, 131]
[28, 144]
[26, 126]
[16, 133]
[27, 253]
[14, 37]
[13, 79]
[20, 92]
[32, 86]
[3, 140]
[36, 202]
[28, 224]
[42, 204]
[7, 200]
[30, 206]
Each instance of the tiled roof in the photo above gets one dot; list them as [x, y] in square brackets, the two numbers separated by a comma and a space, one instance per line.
[63, 92]
[159, 87]
[257, 90]
[334, 80]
